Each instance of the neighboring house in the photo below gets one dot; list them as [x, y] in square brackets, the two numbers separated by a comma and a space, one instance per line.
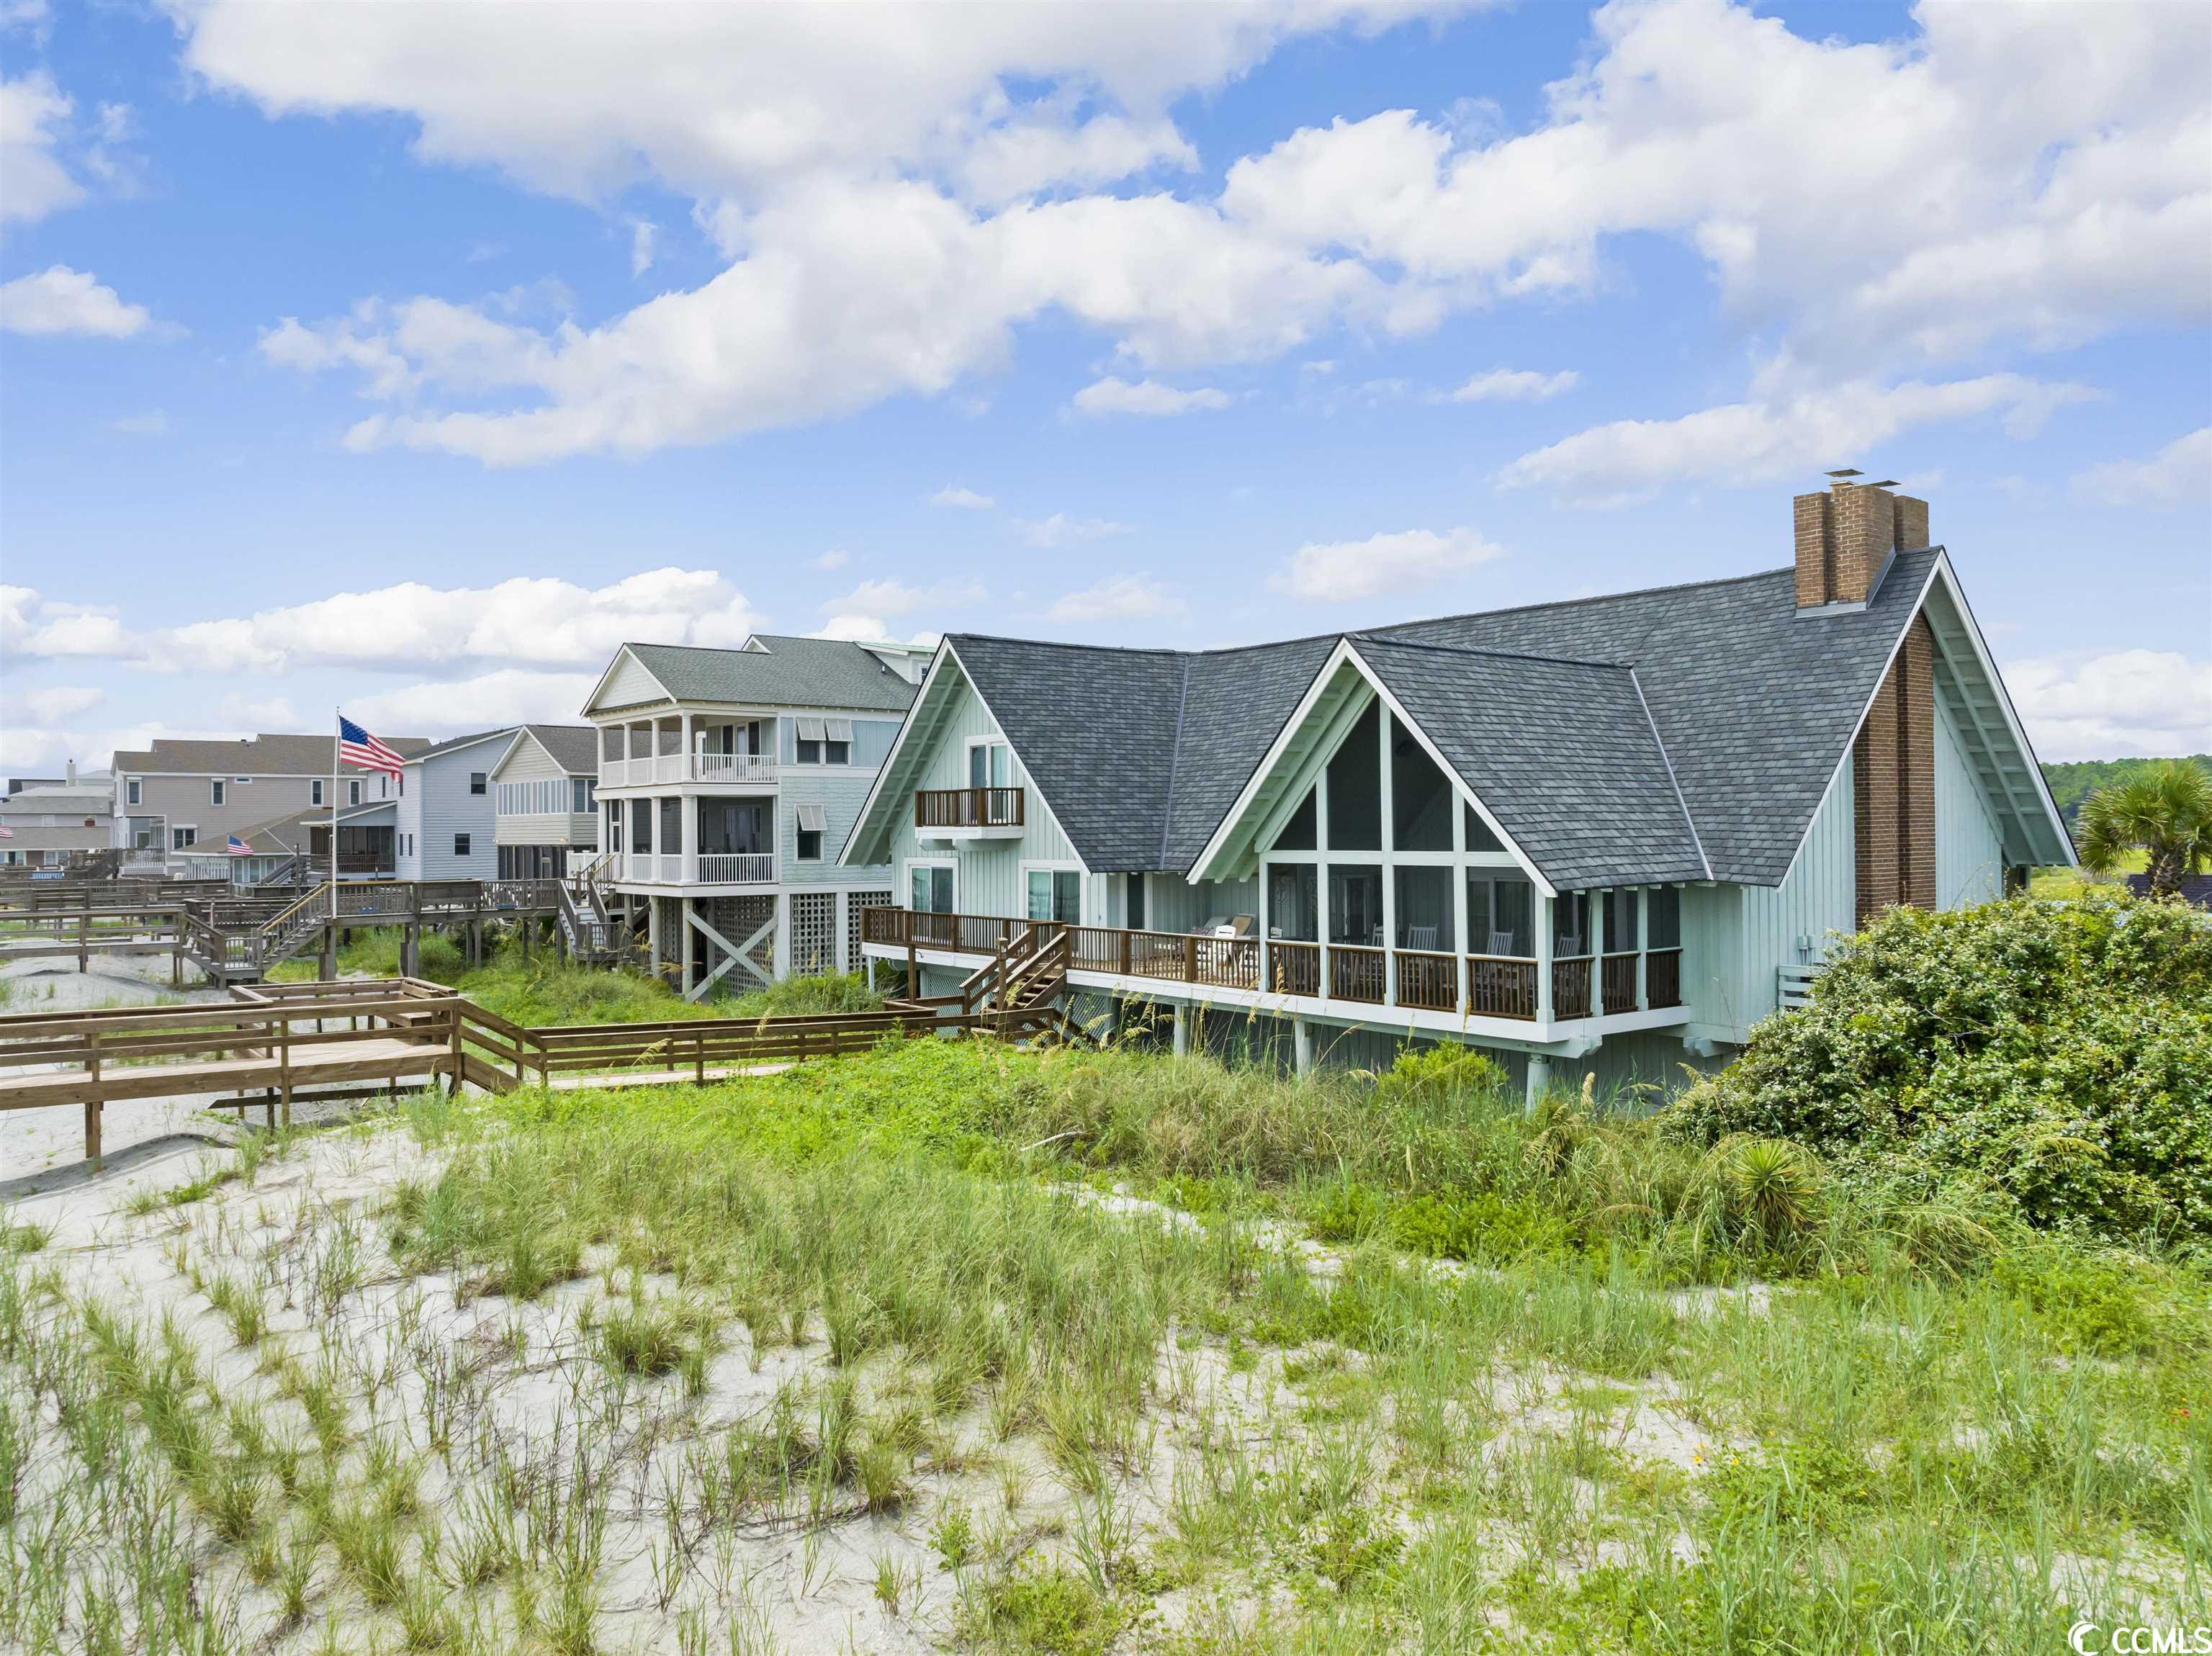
[2196, 889]
[728, 781]
[1607, 834]
[444, 812]
[177, 796]
[299, 844]
[545, 801]
[47, 822]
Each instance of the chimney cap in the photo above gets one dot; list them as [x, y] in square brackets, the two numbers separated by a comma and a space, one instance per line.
[1847, 471]
[1886, 482]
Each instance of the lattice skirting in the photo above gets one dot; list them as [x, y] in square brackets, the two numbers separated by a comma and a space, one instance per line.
[813, 932]
[858, 903]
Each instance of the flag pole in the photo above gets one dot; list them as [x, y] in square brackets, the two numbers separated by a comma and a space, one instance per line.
[337, 740]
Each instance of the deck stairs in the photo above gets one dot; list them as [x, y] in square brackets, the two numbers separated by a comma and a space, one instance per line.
[1021, 990]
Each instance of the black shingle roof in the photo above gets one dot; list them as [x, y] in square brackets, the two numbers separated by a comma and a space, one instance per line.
[1140, 753]
[784, 672]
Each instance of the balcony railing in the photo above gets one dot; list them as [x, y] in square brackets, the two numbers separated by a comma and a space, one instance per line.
[735, 868]
[968, 808]
[1476, 986]
[647, 769]
[707, 868]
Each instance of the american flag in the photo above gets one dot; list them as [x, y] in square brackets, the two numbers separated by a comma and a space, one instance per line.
[357, 747]
[238, 847]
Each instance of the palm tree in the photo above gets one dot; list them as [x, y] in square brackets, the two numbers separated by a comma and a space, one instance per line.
[2165, 813]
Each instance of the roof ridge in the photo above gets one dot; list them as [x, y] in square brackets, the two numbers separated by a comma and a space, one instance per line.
[1503, 655]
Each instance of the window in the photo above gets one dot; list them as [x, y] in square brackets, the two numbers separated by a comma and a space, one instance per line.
[811, 737]
[930, 887]
[241, 778]
[315, 791]
[215, 791]
[836, 741]
[990, 765]
[582, 794]
[812, 825]
[672, 827]
[353, 791]
[640, 827]
[184, 837]
[1055, 894]
[133, 791]
[460, 845]
[475, 781]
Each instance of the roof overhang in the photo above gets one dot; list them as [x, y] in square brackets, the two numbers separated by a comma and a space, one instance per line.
[1338, 692]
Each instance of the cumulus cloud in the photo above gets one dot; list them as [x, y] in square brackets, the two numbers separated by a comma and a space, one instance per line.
[869, 629]
[32, 114]
[56, 704]
[507, 695]
[1334, 572]
[1147, 397]
[1060, 529]
[537, 621]
[1516, 386]
[891, 597]
[966, 500]
[2129, 702]
[1785, 429]
[1119, 598]
[60, 300]
[2180, 473]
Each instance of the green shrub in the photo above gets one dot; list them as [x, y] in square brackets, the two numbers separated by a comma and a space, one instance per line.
[2053, 1058]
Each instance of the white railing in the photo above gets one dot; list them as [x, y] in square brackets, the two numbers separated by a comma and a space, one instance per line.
[639, 867]
[735, 767]
[681, 768]
[735, 868]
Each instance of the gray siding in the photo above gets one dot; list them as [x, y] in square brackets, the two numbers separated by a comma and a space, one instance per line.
[532, 763]
[182, 799]
[1969, 845]
[439, 805]
[872, 741]
[839, 791]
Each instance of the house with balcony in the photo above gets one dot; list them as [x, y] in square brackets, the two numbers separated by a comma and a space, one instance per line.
[545, 814]
[1604, 837]
[728, 782]
[173, 799]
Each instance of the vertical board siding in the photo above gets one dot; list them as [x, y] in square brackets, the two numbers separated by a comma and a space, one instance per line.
[989, 880]
[1819, 895]
[1712, 955]
[1969, 846]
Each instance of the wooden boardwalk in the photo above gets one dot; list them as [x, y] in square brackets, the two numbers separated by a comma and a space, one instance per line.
[276, 1044]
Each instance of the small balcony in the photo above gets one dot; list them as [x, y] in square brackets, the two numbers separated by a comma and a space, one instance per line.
[969, 813]
[756, 769]
[705, 867]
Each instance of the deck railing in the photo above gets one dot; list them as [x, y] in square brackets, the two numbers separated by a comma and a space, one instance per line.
[968, 808]
[1476, 986]
[647, 769]
[735, 868]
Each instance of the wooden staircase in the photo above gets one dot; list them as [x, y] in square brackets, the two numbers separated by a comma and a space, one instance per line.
[1017, 992]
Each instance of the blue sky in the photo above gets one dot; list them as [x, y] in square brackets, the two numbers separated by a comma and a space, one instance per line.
[410, 357]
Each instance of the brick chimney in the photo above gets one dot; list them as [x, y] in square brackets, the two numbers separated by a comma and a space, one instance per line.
[1845, 538]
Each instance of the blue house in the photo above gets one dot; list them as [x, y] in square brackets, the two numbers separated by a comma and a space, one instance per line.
[1604, 836]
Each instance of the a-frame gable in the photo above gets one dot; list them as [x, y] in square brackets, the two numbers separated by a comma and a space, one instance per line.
[627, 682]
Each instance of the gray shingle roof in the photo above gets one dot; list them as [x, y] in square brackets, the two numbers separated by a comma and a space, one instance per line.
[259, 755]
[785, 672]
[1140, 753]
[574, 747]
[453, 742]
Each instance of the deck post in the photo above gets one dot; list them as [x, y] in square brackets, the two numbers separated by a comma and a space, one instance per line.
[84, 934]
[284, 1068]
[91, 1105]
[1182, 1031]
[1540, 1078]
[453, 1012]
[1302, 1045]
[913, 970]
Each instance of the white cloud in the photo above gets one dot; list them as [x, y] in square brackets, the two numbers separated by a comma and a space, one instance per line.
[1336, 571]
[1030, 155]
[2178, 473]
[152, 423]
[1516, 386]
[2130, 701]
[1785, 429]
[869, 629]
[60, 300]
[272, 712]
[56, 704]
[891, 597]
[1148, 397]
[32, 111]
[540, 621]
[835, 558]
[509, 695]
[1060, 529]
[1118, 598]
[642, 233]
[966, 499]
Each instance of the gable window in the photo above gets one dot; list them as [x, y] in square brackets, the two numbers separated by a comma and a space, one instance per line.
[460, 845]
[1055, 894]
[315, 791]
[1355, 787]
[475, 781]
[133, 793]
[216, 791]
[1420, 798]
[990, 765]
[1298, 833]
[812, 735]
[929, 888]
[812, 825]
[1479, 836]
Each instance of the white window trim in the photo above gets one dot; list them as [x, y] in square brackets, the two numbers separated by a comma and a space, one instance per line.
[353, 790]
[1054, 865]
[218, 791]
[967, 764]
[908, 867]
[133, 791]
[175, 828]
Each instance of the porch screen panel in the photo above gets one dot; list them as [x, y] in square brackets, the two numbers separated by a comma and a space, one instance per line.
[1421, 800]
[1424, 908]
[1664, 910]
[1355, 788]
[1292, 914]
[1355, 906]
[1500, 916]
